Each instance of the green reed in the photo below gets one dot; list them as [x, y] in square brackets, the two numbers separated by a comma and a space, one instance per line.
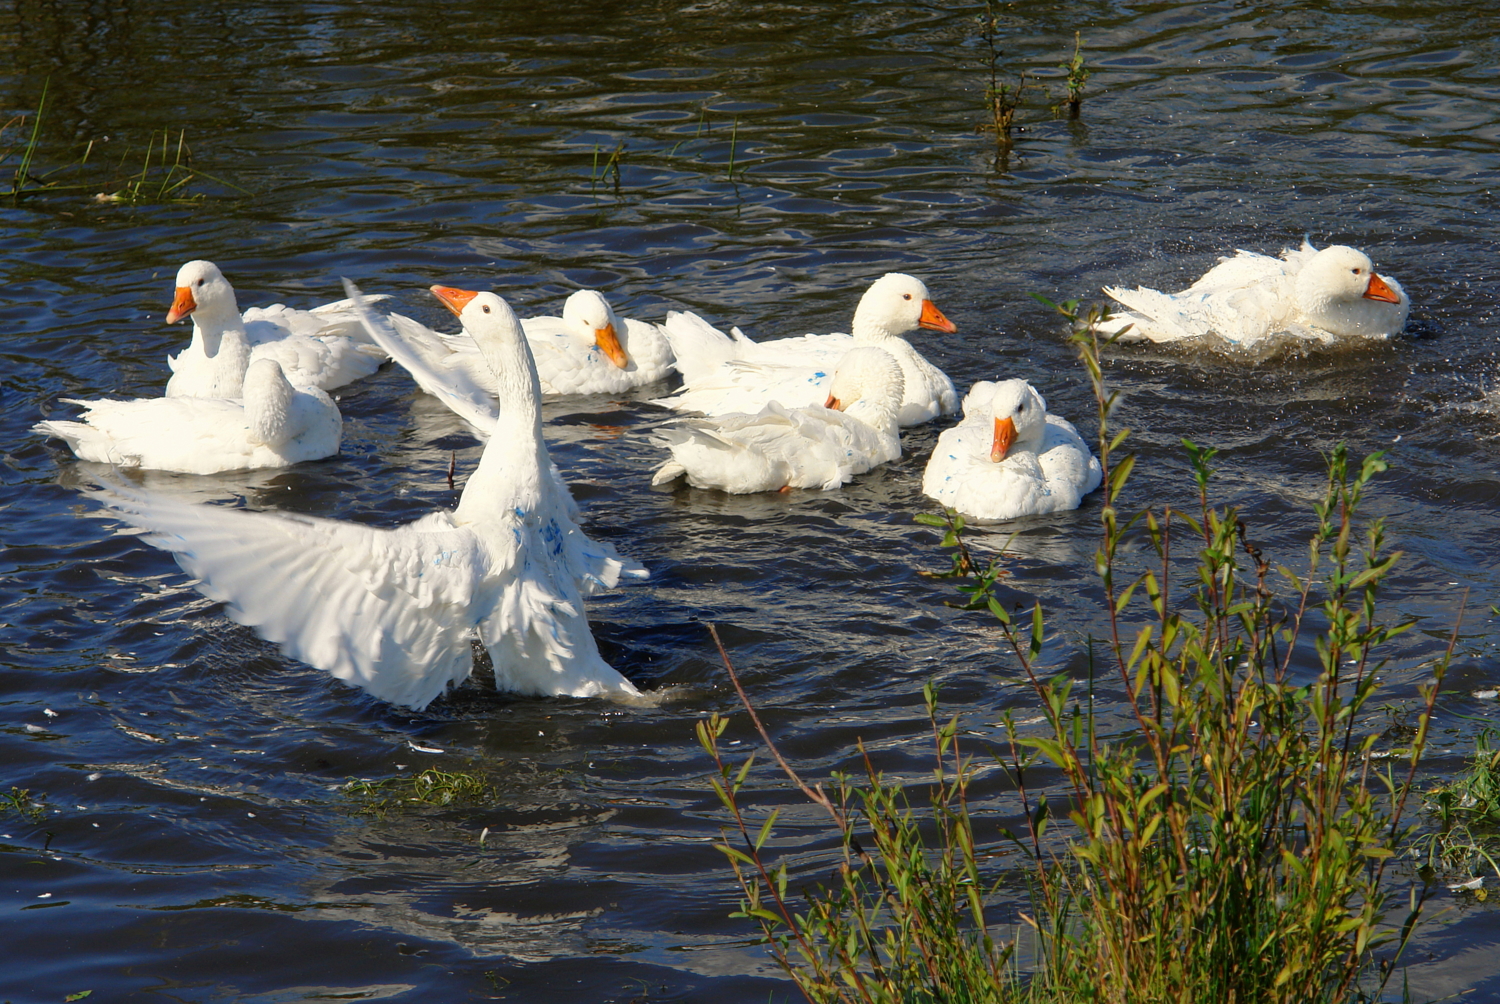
[1231, 846]
[163, 174]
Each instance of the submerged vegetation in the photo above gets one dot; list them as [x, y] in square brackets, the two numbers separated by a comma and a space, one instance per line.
[1233, 844]
[24, 803]
[428, 789]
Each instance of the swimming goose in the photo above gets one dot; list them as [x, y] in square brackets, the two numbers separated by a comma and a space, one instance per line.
[1009, 458]
[781, 448]
[393, 610]
[323, 347]
[273, 425]
[1307, 293]
[723, 374]
[589, 350]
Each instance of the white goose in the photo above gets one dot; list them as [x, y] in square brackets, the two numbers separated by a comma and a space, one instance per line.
[723, 374]
[323, 347]
[393, 610]
[1307, 293]
[780, 448]
[589, 350]
[1009, 458]
[273, 425]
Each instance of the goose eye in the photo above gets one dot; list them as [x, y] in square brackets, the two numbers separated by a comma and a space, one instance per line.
[200, 282]
[1355, 271]
[485, 308]
[906, 296]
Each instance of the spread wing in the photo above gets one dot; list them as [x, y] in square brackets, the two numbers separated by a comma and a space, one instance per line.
[389, 610]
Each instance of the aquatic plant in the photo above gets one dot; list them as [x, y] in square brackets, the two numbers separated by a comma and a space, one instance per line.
[1075, 76]
[1002, 98]
[157, 180]
[1232, 846]
[431, 787]
[611, 166]
[1467, 810]
[22, 801]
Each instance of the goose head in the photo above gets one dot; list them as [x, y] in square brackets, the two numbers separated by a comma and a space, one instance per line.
[1020, 418]
[895, 304]
[1339, 290]
[493, 325]
[204, 293]
[590, 316]
[867, 383]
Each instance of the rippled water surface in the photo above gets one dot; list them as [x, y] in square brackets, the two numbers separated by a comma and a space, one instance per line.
[776, 158]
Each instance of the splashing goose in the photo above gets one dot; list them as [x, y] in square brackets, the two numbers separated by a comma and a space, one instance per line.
[782, 448]
[273, 425]
[393, 610]
[589, 350]
[1009, 458]
[320, 348]
[723, 373]
[1307, 293]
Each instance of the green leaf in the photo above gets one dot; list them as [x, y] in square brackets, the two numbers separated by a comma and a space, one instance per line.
[765, 828]
[80, 995]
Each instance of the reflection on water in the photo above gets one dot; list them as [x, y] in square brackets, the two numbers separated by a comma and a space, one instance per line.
[191, 772]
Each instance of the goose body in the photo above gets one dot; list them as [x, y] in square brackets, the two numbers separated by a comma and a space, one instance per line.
[324, 347]
[273, 425]
[1307, 293]
[393, 611]
[724, 374]
[1009, 458]
[589, 350]
[779, 448]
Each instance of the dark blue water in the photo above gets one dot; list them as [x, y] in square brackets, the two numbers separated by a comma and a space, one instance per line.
[196, 845]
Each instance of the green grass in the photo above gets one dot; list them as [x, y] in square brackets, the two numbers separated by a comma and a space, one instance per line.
[163, 175]
[1232, 845]
[1466, 845]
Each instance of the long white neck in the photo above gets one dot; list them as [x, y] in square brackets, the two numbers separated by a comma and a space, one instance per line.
[873, 326]
[219, 338]
[511, 470]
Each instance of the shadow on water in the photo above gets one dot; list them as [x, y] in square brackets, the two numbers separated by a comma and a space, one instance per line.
[197, 844]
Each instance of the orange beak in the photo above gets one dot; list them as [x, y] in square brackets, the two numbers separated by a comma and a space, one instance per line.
[1379, 289]
[454, 299]
[609, 343]
[1005, 434]
[933, 318]
[183, 304]
[833, 403]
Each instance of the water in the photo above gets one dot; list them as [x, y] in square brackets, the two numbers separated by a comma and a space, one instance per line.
[196, 846]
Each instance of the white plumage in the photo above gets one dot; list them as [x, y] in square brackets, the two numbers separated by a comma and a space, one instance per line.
[273, 425]
[324, 347]
[393, 610]
[589, 350]
[724, 374]
[779, 448]
[1306, 293]
[1009, 458]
